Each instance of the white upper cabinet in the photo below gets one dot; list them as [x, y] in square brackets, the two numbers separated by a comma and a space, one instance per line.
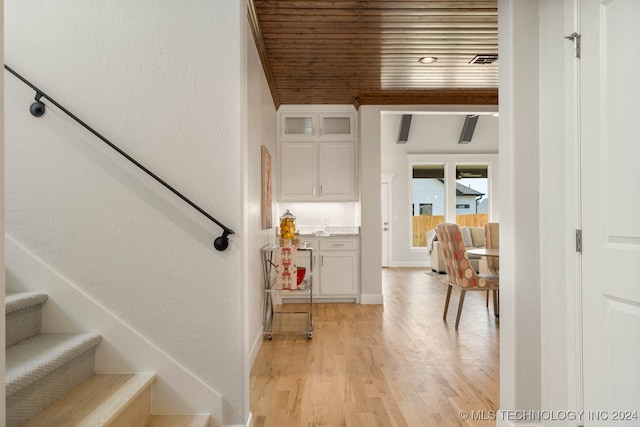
[298, 170]
[336, 126]
[298, 126]
[336, 170]
[318, 158]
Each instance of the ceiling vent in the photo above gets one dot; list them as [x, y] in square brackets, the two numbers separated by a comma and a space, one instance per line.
[484, 59]
[405, 125]
[468, 128]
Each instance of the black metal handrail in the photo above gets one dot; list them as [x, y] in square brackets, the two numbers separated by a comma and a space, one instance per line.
[38, 108]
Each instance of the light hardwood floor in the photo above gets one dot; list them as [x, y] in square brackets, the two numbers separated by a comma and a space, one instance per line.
[397, 365]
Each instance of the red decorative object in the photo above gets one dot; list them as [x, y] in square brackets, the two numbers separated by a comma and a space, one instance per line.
[301, 273]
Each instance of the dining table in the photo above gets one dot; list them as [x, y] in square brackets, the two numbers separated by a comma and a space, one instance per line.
[488, 252]
[493, 252]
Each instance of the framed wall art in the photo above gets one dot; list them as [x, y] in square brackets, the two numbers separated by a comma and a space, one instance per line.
[267, 198]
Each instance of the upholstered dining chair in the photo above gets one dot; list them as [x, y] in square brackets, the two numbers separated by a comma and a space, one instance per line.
[459, 270]
[491, 265]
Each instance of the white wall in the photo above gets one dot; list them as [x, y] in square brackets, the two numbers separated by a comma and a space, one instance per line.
[435, 134]
[2, 269]
[520, 171]
[439, 133]
[165, 82]
[261, 130]
[370, 179]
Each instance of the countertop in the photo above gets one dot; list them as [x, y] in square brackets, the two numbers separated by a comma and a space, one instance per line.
[310, 231]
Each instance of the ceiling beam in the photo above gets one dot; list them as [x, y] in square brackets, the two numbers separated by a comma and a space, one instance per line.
[430, 97]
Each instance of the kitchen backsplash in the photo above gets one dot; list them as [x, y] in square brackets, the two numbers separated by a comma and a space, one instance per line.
[323, 214]
[328, 230]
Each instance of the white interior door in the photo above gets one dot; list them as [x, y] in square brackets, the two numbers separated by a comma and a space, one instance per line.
[610, 164]
[384, 206]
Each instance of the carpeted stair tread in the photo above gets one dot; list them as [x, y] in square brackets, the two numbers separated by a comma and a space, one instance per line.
[23, 316]
[34, 358]
[98, 401]
[179, 421]
[21, 300]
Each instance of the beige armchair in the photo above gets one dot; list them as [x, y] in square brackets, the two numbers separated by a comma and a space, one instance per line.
[474, 238]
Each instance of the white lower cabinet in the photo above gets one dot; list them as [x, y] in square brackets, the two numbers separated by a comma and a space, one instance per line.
[336, 268]
[338, 273]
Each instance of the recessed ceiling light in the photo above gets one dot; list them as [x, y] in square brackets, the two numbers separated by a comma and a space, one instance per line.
[427, 60]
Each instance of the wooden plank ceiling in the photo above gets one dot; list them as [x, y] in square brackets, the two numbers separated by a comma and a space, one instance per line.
[366, 51]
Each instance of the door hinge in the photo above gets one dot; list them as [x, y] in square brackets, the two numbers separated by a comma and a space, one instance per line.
[579, 241]
[575, 38]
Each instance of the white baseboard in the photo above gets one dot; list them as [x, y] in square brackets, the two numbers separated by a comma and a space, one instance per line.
[255, 348]
[502, 420]
[417, 264]
[504, 423]
[371, 299]
[249, 422]
[123, 349]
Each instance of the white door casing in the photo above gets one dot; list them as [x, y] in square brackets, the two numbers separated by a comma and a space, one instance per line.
[384, 208]
[610, 164]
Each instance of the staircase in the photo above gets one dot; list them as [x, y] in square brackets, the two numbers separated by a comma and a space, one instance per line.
[51, 381]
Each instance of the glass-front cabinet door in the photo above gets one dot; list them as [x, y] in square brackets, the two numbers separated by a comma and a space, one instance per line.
[298, 126]
[333, 126]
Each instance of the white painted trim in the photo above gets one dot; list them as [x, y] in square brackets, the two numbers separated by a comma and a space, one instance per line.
[372, 299]
[501, 422]
[123, 349]
[255, 349]
[573, 187]
[417, 250]
[387, 178]
[316, 108]
[461, 159]
[249, 422]
[422, 264]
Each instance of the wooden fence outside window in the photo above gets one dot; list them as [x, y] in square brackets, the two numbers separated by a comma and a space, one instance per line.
[424, 223]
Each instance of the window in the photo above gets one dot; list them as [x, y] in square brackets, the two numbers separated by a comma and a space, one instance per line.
[426, 208]
[429, 201]
[472, 195]
[450, 188]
